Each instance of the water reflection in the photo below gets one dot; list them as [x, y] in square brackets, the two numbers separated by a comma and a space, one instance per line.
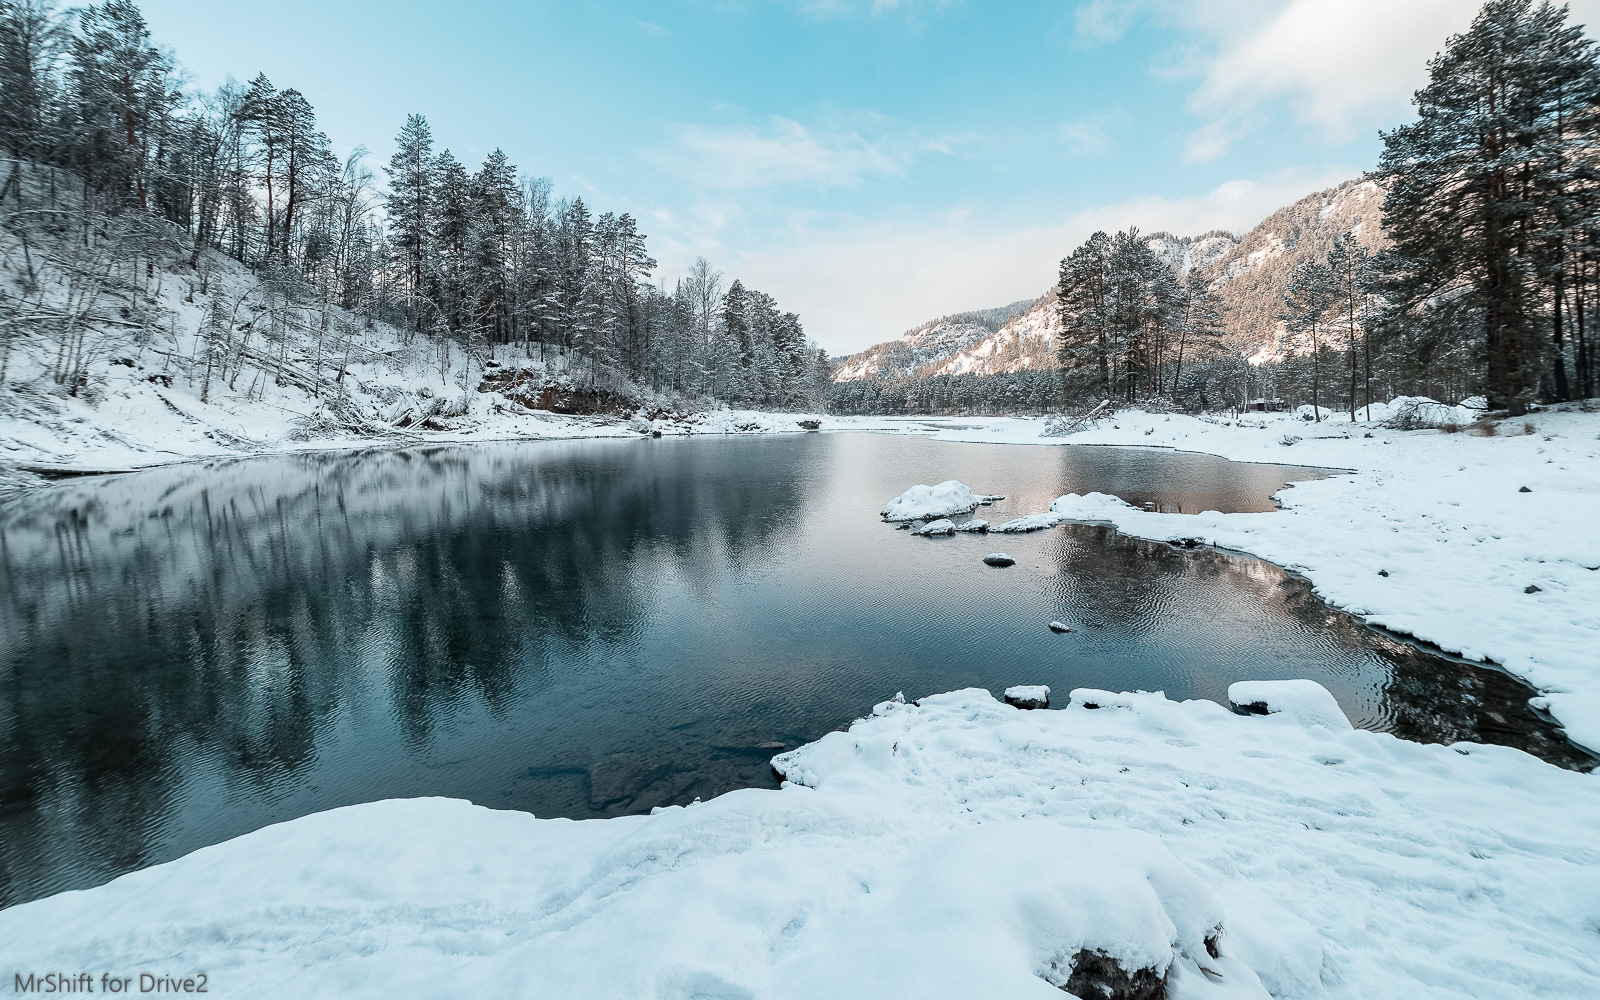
[592, 628]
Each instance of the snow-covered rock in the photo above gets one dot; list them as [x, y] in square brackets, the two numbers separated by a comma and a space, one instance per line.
[1089, 506]
[925, 503]
[1030, 522]
[999, 559]
[976, 526]
[1305, 701]
[1061, 627]
[943, 526]
[1028, 696]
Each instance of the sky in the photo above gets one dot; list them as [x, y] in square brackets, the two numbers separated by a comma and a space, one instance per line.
[870, 163]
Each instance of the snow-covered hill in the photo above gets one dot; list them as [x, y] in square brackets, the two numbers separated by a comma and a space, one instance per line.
[1253, 276]
[1024, 338]
[1251, 273]
[929, 345]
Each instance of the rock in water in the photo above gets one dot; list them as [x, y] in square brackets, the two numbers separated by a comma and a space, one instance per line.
[1058, 627]
[943, 526]
[978, 526]
[1032, 522]
[925, 503]
[1029, 696]
[999, 559]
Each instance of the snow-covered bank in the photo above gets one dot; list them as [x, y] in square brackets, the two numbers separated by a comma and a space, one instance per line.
[132, 423]
[1487, 546]
[959, 848]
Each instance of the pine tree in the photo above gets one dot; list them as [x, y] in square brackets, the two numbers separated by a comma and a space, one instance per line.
[410, 208]
[1466, 200]
[1312, 293]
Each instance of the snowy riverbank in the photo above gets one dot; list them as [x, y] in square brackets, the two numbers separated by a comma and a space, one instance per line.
[962, 847]
[959, 848]
[1487, 546]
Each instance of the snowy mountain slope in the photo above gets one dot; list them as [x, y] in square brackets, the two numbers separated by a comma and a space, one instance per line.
[1253, 277]
[1027, 337]
[929, 344]
[1251, 273]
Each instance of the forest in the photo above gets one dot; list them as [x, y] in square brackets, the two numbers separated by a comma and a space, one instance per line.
[1481, 282]
[118, 175]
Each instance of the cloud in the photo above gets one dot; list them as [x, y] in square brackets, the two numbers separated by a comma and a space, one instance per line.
[650, 28]
[856, 284]
[781, 151]
[1100, 22]
[1211, 140]
[1343, 66]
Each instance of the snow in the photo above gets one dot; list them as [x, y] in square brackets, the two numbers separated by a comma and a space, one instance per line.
[943, 526]
[923, 503]
[975, 525]
[1029, 522]
[1028, 695]
[1308, 702]
[952, 848]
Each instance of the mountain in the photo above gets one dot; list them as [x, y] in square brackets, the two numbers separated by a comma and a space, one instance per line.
[1255, 274]
[929, 344]
[1250, 272]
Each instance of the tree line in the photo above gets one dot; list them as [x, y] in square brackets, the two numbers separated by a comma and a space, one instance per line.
[103, 140]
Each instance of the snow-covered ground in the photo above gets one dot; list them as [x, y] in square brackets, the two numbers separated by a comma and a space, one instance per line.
[962, 847]
[956, 848]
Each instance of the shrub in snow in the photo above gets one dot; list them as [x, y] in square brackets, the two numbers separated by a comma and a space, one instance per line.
[1413, 413]
[1289, 439]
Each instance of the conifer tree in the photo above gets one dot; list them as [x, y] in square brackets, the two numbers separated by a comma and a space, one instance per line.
[1472, 181]
[410, 207]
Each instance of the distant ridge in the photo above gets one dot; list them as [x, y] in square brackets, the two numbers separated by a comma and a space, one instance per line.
[1250, 272]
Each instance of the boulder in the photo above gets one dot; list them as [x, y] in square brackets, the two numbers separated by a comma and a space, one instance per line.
[1028, 696]
[925, 503]
[999, 559]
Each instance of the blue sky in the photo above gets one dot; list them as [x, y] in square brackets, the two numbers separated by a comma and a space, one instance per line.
[871, 163]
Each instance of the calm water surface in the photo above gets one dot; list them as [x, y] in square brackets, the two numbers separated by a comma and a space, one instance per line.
[595, 628]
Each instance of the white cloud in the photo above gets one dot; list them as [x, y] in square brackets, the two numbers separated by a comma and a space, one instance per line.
[858, 284]
[782, 151]
[1341, 65]
[1101, 21]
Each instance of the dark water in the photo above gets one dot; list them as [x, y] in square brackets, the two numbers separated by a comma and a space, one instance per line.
[594, 628]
